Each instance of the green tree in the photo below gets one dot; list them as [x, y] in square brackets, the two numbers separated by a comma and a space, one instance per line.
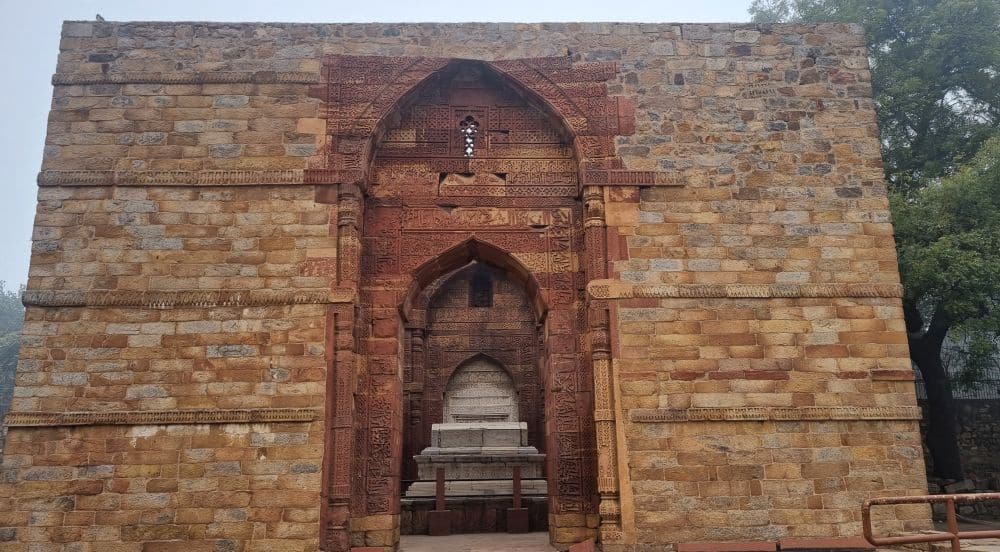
[948, 240]
[936, 82]
[11, 319]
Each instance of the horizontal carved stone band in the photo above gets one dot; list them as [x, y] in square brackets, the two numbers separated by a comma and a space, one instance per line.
[181, 299]
[616, 289]
[172, 178]
[296, 176]
[214, 77]
[771, 413]
[162, 417]
[630, 178]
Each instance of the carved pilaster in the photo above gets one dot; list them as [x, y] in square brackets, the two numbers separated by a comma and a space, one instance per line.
[593, 205]
[417, 355]
[413, 382]
[342, 377]
[339, 453]
[600, 350]
[348, 235]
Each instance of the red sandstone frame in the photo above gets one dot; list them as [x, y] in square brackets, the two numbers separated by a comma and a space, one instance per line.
[365, 97]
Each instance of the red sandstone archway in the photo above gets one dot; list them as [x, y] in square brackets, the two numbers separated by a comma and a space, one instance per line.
[549, 129]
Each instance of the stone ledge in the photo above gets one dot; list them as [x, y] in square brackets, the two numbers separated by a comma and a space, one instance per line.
[768, 413]
[174, 178]
[745, 546]
[797, 545]
[162, 417]
[845, 544]
[214, 77]
[617, 289]
[183, 299]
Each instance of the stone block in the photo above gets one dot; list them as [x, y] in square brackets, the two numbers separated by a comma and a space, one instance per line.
[963, 486]
[518, 520]
[439, 523]
[848, 544]
[739, 546]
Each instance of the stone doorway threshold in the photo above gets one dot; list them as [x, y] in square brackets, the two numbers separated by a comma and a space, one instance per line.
[477, 542]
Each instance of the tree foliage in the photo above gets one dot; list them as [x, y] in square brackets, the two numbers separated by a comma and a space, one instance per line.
[948, 236]
[948, 241]
[11, 319]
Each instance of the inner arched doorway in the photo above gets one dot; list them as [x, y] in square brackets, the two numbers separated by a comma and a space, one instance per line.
[474, 330]
[433, 210]
[473, 400]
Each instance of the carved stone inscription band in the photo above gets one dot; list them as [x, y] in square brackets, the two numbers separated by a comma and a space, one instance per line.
[185, 299]
[161, 417]
[214, 77]
[767, 413]
[616, 289]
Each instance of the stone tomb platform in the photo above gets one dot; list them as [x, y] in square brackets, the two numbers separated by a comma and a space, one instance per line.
[478, 460]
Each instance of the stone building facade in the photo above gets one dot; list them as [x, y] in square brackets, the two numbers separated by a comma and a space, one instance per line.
[259, 255]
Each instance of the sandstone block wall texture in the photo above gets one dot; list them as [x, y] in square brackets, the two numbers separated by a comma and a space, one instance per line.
[191, 355]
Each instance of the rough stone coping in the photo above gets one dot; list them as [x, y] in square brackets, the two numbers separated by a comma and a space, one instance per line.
[841, 544]
[727, 547]
[836, 544]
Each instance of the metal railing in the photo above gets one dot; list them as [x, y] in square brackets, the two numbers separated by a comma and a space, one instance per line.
[952, 534]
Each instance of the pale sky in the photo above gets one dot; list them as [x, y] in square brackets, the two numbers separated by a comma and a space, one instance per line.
[29, 42]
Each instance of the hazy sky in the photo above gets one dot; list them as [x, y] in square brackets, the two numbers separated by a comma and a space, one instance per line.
[29, 40]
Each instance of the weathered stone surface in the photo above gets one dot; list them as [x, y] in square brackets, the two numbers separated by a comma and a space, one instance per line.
[726, 177]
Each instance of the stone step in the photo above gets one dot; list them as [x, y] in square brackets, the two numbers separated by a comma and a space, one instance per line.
[480, 542]
[478, 487]
[856, 544]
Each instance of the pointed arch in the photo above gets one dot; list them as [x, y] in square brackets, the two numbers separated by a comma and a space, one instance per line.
[365, 93]
[479, 356]
[563, 122]
[458, 256]
[507, 386]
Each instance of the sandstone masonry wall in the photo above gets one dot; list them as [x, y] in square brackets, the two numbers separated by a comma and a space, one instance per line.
[183, 262]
